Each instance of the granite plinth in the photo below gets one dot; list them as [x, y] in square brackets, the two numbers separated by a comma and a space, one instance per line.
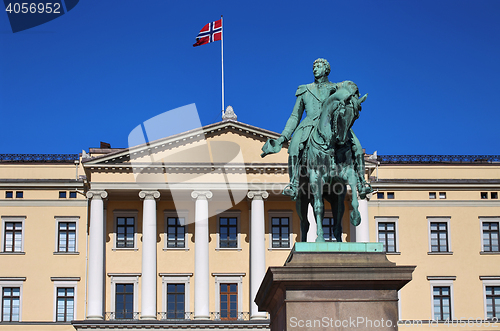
[328, 287]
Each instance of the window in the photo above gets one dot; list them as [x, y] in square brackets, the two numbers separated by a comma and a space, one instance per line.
[65, 304]
[390, 195]
[491, 234]
[13, 237]
[9, 194]
[124, 296]
[228, 295]
[66, 237]
[175, 300]
[228, 301]
[441, 296]
[492, 302]
[125, 229]
[176, 232]
[328, 229]
[124, 301]
[176, 297]
[439, 237]
[432, 195]
[387, 236]
[228, 231]
[19, 194]
[72, 195]
[280, 232]
[11, 304]
[380, 195]
[484, 195]
[494, 195]
[442, 195]
[62, 194]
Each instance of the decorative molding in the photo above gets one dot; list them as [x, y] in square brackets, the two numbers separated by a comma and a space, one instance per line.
[149, 195]
[12, 279]
[65, 279]
[43, 203]
[205, 195]
[258, 195]
[97, 194]
[441, 277]
[229, 114]
[434, 203]
[489, 277]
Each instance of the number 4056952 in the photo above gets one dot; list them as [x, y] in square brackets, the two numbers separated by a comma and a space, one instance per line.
[33, 8]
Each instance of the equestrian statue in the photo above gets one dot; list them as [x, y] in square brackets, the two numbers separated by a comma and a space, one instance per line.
[324, 153]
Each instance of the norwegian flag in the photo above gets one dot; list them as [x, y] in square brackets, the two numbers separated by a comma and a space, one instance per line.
[210, 33]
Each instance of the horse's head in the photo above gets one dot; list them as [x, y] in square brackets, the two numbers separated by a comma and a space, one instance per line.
[343, 108]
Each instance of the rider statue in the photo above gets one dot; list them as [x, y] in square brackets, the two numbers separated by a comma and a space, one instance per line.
[310, 98]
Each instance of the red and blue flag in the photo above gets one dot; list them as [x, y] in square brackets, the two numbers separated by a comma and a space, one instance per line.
[210, 33]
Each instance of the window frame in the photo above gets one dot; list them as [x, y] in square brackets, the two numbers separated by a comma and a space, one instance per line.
[222, 278]
[13, 219]
[12, 282]
[488, 281]
[124, 279]
[389, 219]
[230, 214]
[483, 219]
[125, 213]
[440, 219]
[66, 219]
[65, 282]
[281, 214]
[179, 214]
[442, 281]
[177, 278]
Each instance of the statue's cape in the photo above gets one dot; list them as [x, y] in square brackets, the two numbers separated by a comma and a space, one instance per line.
[312, 87]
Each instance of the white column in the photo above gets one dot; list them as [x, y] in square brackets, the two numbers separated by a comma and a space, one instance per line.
[311, 233]
[96, 255]
[148, 277]
[363, 229]
[257, 249]
[201, 271]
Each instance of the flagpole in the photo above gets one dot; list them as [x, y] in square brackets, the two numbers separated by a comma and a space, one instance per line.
[222, 60]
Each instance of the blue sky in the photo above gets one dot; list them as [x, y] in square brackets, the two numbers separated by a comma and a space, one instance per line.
[430, 68]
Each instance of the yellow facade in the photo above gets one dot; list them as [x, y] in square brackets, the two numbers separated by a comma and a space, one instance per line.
[175, 167]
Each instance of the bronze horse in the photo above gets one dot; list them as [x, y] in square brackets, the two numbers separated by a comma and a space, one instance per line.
[328, 165]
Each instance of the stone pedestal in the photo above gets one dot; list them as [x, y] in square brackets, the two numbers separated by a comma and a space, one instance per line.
[334, 286]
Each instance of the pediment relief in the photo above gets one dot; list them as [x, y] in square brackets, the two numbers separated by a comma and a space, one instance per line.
[221, 143]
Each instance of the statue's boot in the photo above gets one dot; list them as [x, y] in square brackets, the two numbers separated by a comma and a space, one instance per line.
[291, 189]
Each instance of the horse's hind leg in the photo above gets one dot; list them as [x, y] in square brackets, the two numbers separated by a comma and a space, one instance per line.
[338, 208]
[301, 205]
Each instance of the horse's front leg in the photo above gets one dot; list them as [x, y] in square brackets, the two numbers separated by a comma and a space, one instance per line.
[302, 205]
[318, 205]
[352, 179]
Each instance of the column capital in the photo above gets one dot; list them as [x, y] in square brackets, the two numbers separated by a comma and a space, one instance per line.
[95, 194]
[149, 195]
[257, 195]
[205, 195]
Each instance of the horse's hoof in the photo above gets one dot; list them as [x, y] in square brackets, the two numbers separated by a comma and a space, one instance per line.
[355, 219]
[320, 239]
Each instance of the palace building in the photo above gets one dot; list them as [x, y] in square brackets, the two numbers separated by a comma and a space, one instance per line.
[178, 233]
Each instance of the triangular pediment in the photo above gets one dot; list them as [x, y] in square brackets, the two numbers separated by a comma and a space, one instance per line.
[218, 143]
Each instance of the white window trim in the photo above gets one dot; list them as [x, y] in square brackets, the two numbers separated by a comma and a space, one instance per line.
[13, 282]
[6, 219]
[229, 213]
[486, 219]
[441, 219]
[59, 219]
[280, 213]
[180, 214]
[65, 283]
[488, 281]
[124, 279]
[395, 220]
[437, 281]
[221, 278]
[180, 278]
[124, 213]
